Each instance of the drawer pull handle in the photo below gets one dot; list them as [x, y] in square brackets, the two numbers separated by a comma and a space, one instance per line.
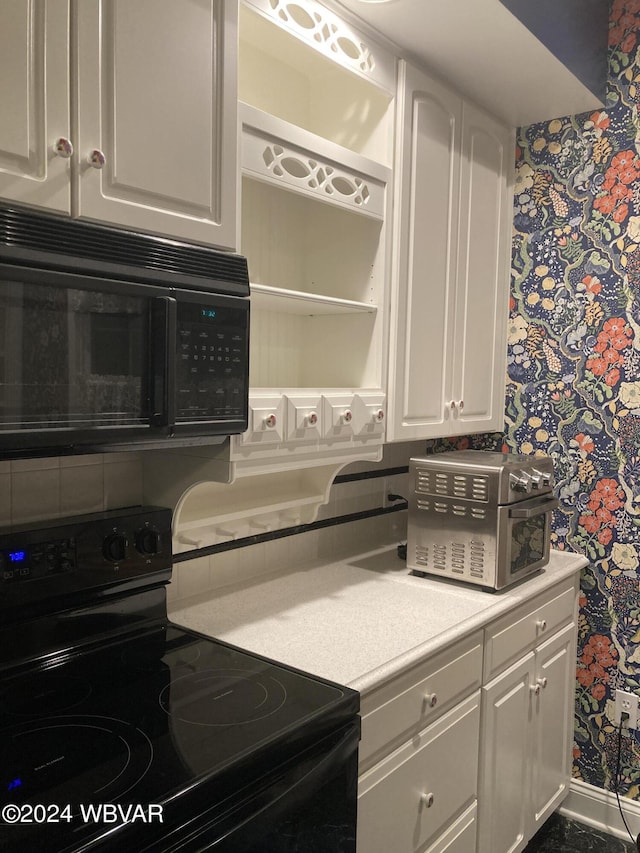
[542, 624]
[427, 799]
[63, 147]
[431, 700]
[96, 158]
[542, 682]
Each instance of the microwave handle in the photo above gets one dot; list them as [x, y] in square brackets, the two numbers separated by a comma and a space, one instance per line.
[531, 512]
[163, 360]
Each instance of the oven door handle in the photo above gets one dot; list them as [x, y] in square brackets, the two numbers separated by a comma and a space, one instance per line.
[162, 368]
[533, 511]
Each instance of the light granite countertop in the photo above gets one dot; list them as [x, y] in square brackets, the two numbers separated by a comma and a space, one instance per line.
[356, 621]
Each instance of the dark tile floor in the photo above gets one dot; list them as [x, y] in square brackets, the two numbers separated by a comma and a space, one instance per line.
[560, 835]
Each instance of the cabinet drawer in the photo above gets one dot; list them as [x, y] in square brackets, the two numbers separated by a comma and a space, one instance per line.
[409, 703]
[514, 634]
[460, 837]
[408, 798]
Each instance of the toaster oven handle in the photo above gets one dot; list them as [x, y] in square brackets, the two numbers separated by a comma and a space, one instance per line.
[532, 511]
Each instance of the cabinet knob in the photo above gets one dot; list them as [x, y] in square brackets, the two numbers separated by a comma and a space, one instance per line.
[452, 405]
[427, 799]
[461, 405]
[270, 421]
[535, 689]
[347, 416]
[312, 418]
[542, 624]
[63, 147]
[542, 682]
[378, 415]
[431, 700]
[96, 158]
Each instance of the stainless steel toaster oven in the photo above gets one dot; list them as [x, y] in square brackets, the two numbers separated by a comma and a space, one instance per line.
[479, 517]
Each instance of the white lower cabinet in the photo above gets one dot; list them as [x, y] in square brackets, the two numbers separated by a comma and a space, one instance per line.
[470, 750]
[413, 728]
[526, 736]
[415, 793]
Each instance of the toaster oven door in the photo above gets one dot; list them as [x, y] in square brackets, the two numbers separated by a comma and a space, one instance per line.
[524, 538]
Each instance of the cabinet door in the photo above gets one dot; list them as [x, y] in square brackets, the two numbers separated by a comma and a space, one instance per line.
[505, 760]
[410, 796]
[34, 102]
[425, 244]
[553, 735]
[157, 116]
[483, 279]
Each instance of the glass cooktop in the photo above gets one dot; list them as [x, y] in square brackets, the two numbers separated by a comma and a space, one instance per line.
[140, 721]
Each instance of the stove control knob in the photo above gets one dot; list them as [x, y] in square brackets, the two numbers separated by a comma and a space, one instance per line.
[114, 547]
[148, 541]
[540, 479]
[520, 482]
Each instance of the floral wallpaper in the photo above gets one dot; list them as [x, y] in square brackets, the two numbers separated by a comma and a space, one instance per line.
[573, 385]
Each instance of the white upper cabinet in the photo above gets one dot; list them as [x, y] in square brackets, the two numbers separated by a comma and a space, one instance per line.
[482, 279]
[156, 136]
[34, 103]
[151, 142]
[450, 278]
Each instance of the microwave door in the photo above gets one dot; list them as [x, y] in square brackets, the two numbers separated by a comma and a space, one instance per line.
[82, 362]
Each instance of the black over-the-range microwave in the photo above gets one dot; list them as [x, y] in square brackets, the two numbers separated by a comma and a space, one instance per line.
[115, 339]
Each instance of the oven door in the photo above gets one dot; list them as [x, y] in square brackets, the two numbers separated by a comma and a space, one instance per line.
[83, 360]
[524, 532]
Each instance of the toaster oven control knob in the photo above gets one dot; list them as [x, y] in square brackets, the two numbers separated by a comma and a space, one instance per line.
[147, 541]
[539, 479]
[520, 482]
[114, 547]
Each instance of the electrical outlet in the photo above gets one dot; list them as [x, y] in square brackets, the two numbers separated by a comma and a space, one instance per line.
[626, 703]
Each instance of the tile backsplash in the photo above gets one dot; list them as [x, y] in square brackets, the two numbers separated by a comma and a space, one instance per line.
[40, 489]
[33, 490]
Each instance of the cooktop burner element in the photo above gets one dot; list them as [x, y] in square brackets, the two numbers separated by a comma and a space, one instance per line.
[74, 758]
[50, 694]
[223, 697]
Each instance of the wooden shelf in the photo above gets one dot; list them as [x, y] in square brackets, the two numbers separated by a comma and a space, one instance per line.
[286, 301]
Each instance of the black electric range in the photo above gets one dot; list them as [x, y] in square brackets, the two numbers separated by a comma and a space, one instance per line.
[119, 730]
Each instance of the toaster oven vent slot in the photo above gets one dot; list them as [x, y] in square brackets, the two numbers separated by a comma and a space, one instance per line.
[450, 485]
[423, 481]
[422, 555]
[459, 486]
[440, 557]
[480, 488]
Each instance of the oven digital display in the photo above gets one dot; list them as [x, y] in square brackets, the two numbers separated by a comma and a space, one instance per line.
[17, 556]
